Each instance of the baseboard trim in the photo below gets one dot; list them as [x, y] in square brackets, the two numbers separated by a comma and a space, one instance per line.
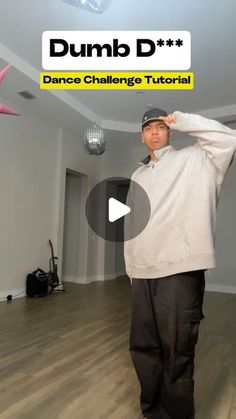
[14, 293]
[89, 279]
[75, 279]
[220, 288]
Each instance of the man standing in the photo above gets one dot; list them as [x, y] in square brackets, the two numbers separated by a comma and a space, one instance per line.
[167, 260]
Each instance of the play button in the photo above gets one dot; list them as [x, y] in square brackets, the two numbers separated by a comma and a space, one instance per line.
[117, 209]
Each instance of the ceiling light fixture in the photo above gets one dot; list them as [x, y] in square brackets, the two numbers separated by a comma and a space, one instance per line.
[97, 6]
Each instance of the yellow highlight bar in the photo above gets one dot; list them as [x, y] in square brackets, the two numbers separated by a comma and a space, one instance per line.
[117, 80]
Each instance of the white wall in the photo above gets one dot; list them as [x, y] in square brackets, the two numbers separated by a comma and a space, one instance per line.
[34, 156]
[27, 185]
[224, 275]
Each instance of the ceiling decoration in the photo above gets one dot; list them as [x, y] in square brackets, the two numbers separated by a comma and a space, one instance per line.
[96, 6]
[95, 140]
[3, 108]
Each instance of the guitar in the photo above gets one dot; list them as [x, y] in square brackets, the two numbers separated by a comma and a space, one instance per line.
[53, 277]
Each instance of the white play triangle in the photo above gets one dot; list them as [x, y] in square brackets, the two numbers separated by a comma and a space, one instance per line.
[116, 210]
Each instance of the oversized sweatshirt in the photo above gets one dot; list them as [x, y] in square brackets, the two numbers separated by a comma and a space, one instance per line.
[183, 187]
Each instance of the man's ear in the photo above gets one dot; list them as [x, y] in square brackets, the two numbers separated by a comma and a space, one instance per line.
[142, 137]
[170, 134]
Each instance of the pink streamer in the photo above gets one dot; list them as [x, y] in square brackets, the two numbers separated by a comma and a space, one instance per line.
[3, 108]
[4, 72]
[6, 110]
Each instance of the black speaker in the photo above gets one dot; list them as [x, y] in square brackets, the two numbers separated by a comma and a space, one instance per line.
[37, 283]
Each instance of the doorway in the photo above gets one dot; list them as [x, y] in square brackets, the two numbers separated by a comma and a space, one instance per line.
[74, 257]
[114, 251]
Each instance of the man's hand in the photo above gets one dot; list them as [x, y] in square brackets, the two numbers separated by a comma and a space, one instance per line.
[168, 119]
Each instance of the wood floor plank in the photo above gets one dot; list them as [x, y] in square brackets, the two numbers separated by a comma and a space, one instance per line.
[66, 356]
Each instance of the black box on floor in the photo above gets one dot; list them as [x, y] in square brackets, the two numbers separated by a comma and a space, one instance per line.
[37, 284]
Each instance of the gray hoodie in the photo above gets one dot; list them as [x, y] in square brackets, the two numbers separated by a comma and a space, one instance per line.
[183, 187]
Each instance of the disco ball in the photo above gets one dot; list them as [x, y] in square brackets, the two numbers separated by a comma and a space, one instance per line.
[97, 6]
[95, 140]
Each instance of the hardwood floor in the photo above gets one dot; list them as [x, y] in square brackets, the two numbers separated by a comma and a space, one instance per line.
[66, 356]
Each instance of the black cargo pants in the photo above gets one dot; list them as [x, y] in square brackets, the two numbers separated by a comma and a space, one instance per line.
[166, 313]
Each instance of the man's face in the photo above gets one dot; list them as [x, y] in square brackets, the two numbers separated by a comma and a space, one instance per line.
[155, 135]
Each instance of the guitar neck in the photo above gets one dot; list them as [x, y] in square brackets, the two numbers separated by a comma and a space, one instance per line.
[52, 252]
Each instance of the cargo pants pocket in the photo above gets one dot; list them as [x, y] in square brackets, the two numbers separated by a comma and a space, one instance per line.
[187, 330]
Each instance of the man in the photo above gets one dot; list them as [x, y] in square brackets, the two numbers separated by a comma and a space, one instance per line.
[167, 260]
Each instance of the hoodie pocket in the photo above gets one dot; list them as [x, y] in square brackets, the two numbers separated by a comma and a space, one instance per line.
[161, 243]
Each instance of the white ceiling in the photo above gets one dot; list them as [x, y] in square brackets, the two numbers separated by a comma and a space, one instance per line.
[213, 31]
